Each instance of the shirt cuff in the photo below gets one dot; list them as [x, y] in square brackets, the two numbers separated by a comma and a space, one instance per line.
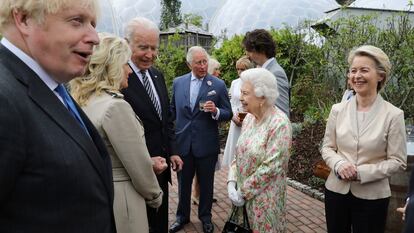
[216, 117]
[336, 167]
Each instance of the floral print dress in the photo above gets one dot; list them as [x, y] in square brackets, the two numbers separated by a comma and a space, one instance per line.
[260, 166]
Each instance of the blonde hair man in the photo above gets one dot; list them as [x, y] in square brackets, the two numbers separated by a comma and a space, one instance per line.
[55, 173]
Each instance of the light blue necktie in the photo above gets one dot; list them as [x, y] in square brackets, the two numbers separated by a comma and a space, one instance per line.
[194, 89]
[61, 90]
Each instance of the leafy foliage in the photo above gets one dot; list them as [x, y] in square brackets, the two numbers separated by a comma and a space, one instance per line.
[227, 55]
[193, 19]
[170, 13]
[171, 60]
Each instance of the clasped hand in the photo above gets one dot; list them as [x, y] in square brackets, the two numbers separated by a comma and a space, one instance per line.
[348, 171]
[234, 195]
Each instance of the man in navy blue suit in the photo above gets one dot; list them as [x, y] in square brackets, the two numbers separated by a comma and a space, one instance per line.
[408, 209]
[196, 130]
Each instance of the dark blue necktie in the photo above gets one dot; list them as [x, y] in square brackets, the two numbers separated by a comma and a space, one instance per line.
[61, 90]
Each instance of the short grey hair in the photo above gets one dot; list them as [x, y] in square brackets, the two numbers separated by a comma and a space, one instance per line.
[380, 58]
[137, 24]
[212, 65]
[194, 49]
[263, 82]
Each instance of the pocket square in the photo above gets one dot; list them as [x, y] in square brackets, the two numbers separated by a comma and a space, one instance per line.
[211, 93]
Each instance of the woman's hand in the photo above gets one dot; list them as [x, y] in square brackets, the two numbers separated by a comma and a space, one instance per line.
[236, 120]
[348, 171]
[234, 195]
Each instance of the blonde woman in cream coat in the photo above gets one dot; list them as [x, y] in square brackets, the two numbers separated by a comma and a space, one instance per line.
[135, 183]
[364, 145]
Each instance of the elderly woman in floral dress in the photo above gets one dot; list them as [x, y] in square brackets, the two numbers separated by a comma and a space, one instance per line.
[257, 176]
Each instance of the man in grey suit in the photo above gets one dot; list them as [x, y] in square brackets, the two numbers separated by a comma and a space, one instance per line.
[55, 173]
[261, 49]
[196, 131]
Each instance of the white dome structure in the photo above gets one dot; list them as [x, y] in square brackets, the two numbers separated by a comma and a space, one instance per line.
[115, 13]
[240, 16]
[234, 16]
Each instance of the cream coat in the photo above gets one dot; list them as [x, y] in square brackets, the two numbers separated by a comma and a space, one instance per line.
[378, 151]
[135, 183]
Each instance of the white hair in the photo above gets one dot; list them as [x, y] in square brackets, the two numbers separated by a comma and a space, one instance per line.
[194, 49]
[212, 65]
[263, 82]
[137, 24]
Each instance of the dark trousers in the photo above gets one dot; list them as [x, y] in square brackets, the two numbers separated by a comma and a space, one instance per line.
[204, 168]
[347, 213]
[158, 218]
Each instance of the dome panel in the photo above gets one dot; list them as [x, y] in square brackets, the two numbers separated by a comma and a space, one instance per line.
[266, 14]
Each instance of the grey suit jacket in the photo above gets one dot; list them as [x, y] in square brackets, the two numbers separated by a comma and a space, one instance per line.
[283, 101]
[53, 176]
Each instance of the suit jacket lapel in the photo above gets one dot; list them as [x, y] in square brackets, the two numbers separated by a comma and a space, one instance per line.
[51, 105]
[202, 92]
[186, 94]
[353, 117]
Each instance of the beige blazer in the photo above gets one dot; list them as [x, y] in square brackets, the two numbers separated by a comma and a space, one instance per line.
[135, 183]
[378, 151]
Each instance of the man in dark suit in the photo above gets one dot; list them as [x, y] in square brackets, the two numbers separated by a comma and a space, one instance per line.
[55, 173]
[408, 210]
[261, 49]
[148, 96]
[199, 101]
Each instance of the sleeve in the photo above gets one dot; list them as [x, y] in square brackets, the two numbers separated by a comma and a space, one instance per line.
[276, 162]
[224, 104]
[232, 98]
[12, 147]
[329, 146]
[127, 138]
[396, 153]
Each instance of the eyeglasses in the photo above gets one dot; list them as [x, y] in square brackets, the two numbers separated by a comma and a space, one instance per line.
[201, 62]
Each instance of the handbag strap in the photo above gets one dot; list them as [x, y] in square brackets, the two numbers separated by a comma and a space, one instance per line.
[245, 218]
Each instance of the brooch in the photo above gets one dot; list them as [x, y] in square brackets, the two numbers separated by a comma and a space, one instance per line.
[209, 83]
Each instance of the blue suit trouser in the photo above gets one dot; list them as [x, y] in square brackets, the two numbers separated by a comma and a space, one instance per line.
[204, 168]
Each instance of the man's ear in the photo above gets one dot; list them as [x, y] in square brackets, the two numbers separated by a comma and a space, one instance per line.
[20, 19]
[189, 66]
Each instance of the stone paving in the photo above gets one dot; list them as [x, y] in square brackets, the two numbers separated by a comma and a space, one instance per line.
[304, 213]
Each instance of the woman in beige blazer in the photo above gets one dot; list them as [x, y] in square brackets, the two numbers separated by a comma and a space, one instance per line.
[364, 145]
[135, 183]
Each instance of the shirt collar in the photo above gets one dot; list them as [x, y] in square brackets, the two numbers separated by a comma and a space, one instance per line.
[135, 68]
[193, 77]
[268, 62]
[32, 64]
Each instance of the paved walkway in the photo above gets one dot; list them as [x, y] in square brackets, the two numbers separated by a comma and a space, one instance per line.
[304, 214]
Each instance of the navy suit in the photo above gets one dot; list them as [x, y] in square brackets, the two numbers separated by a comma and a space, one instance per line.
[53, 176]
[197, 140]
[409, 212]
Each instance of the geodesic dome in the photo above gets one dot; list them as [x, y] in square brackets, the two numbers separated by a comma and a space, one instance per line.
[234, 16]
[240, 16]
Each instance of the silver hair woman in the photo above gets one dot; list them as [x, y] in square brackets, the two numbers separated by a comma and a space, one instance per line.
[364, 145]
[257, 176]
[98, 92]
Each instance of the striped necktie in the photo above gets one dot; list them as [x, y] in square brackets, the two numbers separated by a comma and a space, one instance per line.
[150, 92]
[61, 90]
